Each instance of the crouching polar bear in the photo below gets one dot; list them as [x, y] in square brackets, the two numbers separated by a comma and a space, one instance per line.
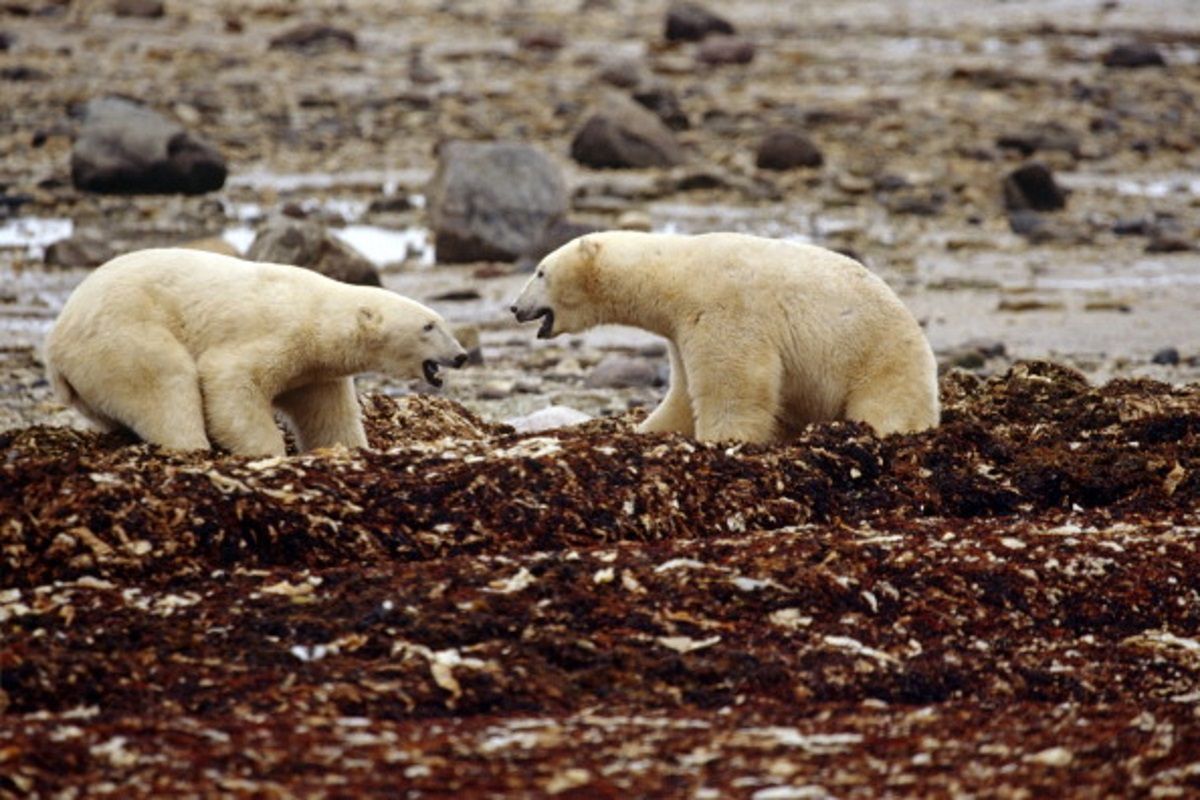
[183, 347]
[764, 335]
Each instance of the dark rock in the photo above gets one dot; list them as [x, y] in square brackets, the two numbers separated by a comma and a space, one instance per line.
[493, 201]
[623, 134]
[80, 250]
[1168, 356]
[6, 41]
[1140, 226]
[1032, 187]
[390, 204]
[691, 22]
[20, 72]
[11, 203]
[314, 37]
[623, 372]
[784, 150]
[662, 100]
[308, 244]
[1168, 239]
[720, 50]
[1133, 55]
[144, 9]
[125, 148]
[917, 202]
[1051, 136]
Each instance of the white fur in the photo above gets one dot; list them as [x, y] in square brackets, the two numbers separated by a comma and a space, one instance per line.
[764, 335]
[183, 347]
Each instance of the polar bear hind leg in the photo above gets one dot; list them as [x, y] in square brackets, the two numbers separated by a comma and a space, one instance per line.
[159, 397]
[324, 414]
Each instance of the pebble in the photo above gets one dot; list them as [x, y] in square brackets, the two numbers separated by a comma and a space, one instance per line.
[722, 50]
[1133, 55]
[314, 37]
[144, 9]
[1168, 356]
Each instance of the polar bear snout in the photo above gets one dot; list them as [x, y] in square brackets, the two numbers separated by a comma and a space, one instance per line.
[545, 314]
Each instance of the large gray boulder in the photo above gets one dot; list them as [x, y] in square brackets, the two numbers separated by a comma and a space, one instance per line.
[619, 133]
[125, 148]
[493, 201]
[304, 243]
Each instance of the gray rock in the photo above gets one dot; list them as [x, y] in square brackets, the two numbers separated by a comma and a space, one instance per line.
[720, 50]
[622, 134]
[623, 372]
[784, 150]
[557, 234]
[493, 201]
[1032, 187]
[125, 148]
[624, 73]
[1051, 136]
[303, 243]
[691, 22]
[662, 100]
[84, 249]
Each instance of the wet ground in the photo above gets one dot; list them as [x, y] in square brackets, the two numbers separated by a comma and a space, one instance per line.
[1007, 606]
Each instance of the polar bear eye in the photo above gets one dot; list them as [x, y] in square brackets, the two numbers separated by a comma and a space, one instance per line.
[541, 273]
[427, 327]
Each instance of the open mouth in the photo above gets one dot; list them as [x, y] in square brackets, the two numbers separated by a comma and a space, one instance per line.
[547, 317]
[430, 368]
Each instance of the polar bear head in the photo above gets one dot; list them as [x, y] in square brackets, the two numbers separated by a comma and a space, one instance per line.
[408, 338]
[561, 292]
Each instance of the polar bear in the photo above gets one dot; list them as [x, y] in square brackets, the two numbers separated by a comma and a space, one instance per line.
[184, 346]
[764, 335]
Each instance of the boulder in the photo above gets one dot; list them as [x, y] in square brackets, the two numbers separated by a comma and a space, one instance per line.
[691, 22]
[304, 243]
[493, 201]
[1032, 187]
[126, 148]
[784, 150]
[622, 134]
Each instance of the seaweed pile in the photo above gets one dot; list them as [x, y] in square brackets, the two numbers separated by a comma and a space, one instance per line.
[1008, 603]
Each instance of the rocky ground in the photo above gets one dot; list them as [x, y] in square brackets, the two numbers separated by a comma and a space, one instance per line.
[1006, 606]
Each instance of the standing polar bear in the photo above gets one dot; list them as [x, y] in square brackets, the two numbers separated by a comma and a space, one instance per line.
[764, 335]
[183, 347]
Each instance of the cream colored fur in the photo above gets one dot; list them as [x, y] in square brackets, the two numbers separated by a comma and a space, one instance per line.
[764, 335]
[186, 348]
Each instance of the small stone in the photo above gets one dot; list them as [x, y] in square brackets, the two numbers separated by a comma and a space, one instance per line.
[662, 100]
[547, 40]
[1051, 136]
[6, 41]
[1052, 757]
[691, 22]
[313, 37]
[622, 372]
[784, 150]
[390, 204]
[1032, 187]
[634, 220]
[1133, 55]
[497, 389]
[81, 250]
[1168, 356]
[1168, 239]
[143, 9]
[624, 73]
[722, 50]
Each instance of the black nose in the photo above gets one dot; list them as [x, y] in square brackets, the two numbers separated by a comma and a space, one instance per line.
[460, 359]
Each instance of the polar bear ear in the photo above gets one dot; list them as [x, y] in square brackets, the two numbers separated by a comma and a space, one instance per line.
[589, 248]
[369, 318]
